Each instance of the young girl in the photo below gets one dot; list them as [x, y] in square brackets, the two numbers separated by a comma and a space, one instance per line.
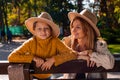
[44, 47]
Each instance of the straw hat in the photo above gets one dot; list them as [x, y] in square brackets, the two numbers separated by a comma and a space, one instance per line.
[43, 17]
[87, 16]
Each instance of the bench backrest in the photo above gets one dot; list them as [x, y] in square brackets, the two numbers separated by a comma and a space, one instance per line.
[75, 66]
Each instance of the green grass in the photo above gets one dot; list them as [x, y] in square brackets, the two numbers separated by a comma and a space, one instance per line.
[114, 48]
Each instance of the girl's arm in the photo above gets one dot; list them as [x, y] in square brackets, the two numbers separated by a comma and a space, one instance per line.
[21, 54]
[64, 53]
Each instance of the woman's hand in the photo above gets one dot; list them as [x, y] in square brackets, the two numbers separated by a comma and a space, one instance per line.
[38, 61]
[48, 64]
[87, 58]
[92, 64]
[85, 53]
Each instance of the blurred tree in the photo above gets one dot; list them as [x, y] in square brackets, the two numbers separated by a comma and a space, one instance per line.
[20, 10]
[3, 14]
[109, 20]
[15, 12]
[59, 9]
[111, 10]
[80, 5]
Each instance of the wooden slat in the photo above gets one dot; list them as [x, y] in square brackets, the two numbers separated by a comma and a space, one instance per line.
[77, 66]
[3, 67]
[116, 55]
[70, 66]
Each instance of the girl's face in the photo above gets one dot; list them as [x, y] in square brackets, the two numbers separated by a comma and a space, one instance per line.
[76, 30]
[42, 30]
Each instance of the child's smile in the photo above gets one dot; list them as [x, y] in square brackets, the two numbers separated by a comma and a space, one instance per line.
[42, 30]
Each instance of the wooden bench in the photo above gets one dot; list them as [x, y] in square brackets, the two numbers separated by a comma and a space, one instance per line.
[22, 71]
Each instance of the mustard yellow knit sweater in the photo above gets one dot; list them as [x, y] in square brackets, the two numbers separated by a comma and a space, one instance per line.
[51, 47]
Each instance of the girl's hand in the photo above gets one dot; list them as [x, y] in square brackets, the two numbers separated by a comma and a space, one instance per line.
[38, 61]
[48, 64]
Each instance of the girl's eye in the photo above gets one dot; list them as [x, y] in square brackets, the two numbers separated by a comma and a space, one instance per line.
[46, 28]
[78, 27]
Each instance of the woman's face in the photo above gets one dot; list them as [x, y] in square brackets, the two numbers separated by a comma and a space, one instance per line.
[76, 30]
[42, 30]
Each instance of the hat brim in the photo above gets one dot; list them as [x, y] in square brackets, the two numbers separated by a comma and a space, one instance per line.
[29, 24]
[72, 15]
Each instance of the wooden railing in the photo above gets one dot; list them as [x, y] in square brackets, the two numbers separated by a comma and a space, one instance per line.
[22, 71]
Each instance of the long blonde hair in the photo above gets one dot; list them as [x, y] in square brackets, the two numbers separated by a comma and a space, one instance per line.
[90, 36]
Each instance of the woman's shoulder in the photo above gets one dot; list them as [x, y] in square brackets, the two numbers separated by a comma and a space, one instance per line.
[101, 41]
[67, 39]
[101, 45]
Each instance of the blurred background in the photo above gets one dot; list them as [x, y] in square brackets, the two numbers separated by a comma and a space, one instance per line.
[13, 13]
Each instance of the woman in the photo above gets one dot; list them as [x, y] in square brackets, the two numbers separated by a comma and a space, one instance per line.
[85, 38]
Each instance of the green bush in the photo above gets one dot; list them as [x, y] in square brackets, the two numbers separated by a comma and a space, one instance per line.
[111, 35]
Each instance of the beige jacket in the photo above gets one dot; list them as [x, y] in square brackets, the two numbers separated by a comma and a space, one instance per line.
[102, 56]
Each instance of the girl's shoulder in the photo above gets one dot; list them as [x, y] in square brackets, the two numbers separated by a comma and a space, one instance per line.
[55, 39]
[30, 40]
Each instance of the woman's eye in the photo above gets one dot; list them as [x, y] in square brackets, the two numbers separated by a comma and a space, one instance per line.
[39, 29]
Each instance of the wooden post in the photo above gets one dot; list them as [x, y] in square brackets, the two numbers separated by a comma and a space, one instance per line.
[16, 72]
[3, 67]
[27, 75]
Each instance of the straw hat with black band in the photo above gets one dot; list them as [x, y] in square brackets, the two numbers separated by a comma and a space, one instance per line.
[87, 16]
[45, 18]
